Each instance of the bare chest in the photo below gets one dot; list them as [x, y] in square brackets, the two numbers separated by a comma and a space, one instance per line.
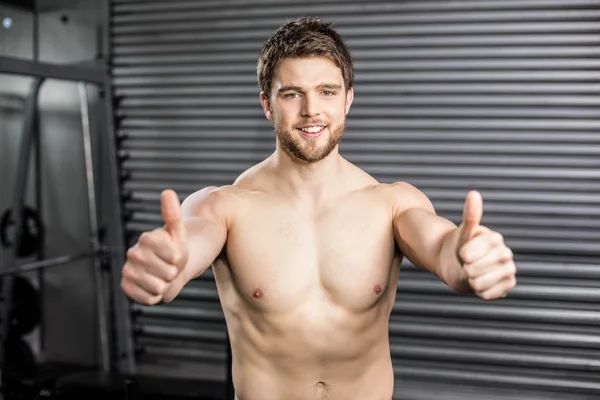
[280, 259]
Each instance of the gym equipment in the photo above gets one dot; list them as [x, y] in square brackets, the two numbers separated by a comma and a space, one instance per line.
[32, 236]
[19, 357]
[23, 230]
[26, 311]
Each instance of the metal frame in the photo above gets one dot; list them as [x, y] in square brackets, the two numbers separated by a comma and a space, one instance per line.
[115, 238]
[78, 73]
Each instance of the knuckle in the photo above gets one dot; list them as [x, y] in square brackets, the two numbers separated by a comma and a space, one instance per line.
[135, 254]
[124, 285]
[470, 271]
[464, 256]
[486, 296]
[127, 273]
[512, 283]
[160, 287]
[171, 273]
[512, 269]
[146, 301]
[145, 239]
[130, 251]
[497, 238]
[175, 256]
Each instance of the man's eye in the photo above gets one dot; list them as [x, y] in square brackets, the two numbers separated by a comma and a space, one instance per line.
[290, 95]
[328, 93]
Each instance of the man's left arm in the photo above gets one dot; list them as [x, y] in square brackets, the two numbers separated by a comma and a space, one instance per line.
[469, 258]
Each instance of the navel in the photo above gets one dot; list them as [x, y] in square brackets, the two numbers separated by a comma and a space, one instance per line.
[257, 294]
[321, 392]
[377, 289]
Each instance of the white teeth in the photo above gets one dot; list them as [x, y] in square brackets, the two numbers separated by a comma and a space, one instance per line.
[313, 129]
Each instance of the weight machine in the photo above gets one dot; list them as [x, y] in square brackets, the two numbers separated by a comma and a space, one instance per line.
[111, 251]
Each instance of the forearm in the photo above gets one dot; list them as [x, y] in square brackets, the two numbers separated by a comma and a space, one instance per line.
[450, 269]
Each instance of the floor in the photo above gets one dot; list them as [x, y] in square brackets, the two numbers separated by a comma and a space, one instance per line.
[71, 382]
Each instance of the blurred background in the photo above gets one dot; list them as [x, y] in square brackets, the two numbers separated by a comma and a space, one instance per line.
[500, 96]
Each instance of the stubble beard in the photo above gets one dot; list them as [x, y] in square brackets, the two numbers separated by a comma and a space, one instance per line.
[308, 152]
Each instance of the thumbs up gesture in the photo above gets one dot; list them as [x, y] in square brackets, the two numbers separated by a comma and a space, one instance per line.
[486, 260]
[158, 257]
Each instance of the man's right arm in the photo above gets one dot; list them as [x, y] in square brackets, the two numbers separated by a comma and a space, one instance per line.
[205, 215]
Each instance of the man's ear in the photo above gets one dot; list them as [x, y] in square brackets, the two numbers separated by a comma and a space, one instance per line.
[349, 99]
[266, 105]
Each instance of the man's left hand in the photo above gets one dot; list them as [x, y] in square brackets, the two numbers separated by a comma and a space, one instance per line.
[486, 260]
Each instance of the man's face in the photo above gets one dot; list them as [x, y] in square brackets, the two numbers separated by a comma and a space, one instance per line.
[308, 104]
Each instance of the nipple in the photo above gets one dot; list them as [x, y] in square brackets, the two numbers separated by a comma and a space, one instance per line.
[257, 293]
[377, 289]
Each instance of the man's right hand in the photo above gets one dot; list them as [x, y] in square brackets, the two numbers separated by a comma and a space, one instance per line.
[158, 257]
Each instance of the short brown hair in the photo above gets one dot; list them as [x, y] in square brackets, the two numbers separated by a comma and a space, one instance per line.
[303, 38]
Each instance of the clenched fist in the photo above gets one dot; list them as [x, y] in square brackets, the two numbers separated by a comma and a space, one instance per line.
[487, 261]
[158, 257]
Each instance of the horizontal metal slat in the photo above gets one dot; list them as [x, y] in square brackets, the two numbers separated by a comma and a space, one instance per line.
[399, 171]
[375, 111]
[539, 64]
[245, 30]
[364, 14]
[443, 135]
[546, 210]
[435, 329]
[391, 89]
[184, 354]
[439, 373]
[542, 233]
[482, 356]
[166, 103]
[204, 294]
[379, 123]
[389, 53]
[183, 333]
[183, 313]
[140, 44]
[134, 147]
[499, 312]
[434, 156]
[363, 77]
[411, 388]
[126, 6]
[520, 291]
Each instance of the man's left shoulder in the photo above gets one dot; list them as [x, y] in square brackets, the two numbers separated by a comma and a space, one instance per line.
[398, 190]
[403, 195]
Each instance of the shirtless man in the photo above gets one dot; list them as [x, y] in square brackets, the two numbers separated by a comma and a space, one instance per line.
[305, 246]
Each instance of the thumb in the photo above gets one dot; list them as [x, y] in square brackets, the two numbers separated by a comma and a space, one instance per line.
[171, 214]
[472, 214]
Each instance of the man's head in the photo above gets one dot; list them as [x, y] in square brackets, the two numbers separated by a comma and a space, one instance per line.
[306, 76]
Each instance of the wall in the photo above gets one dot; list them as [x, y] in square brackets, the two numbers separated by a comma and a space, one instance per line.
[68, 32]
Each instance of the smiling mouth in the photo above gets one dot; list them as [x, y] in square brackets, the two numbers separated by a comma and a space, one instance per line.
[312, 132]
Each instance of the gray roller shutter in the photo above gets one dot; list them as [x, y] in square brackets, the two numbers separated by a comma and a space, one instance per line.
[500, 96]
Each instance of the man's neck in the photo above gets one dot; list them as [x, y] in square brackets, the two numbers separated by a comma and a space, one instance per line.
[316, 181]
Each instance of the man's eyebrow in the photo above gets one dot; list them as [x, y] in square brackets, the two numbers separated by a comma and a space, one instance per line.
[288, 88]
[333, 86]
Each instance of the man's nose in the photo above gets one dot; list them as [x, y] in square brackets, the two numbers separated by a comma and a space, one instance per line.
[310, 106]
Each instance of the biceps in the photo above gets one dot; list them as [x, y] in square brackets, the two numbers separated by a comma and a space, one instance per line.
[206, 239]
[419, 234]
